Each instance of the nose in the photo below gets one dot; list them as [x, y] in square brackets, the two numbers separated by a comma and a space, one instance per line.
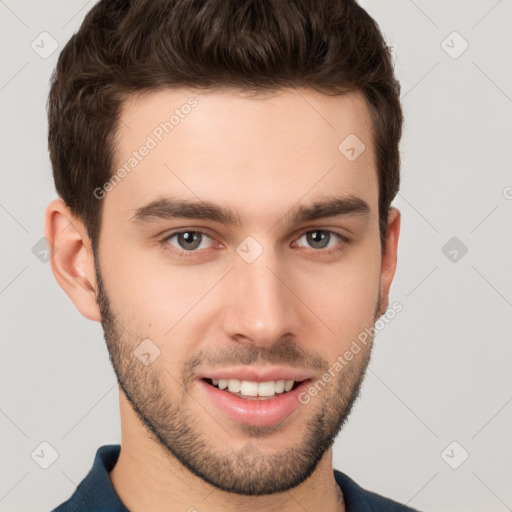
[261, 307]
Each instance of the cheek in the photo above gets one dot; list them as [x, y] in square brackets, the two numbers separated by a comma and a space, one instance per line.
[152, 297]
[160, 300]
[345, 296]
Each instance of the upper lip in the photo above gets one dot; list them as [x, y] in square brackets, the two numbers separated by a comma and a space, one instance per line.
[253, 374]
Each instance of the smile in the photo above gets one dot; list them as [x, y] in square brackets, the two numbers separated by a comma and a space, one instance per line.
[254, 390]
[261, 401]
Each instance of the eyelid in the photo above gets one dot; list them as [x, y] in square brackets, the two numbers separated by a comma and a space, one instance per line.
[333, 231]
[301, 233]
[188, 230]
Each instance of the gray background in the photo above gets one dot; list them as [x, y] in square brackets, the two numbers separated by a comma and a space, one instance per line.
[441, 369]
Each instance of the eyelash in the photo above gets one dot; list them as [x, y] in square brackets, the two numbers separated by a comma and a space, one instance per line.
[190, 254]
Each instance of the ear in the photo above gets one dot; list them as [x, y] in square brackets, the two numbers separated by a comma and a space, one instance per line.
[389, 258]
[71, 258]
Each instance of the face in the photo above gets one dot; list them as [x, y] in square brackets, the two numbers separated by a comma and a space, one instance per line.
[241, 249]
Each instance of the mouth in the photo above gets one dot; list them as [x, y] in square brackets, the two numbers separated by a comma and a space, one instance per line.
[253, 390]
[264, 399]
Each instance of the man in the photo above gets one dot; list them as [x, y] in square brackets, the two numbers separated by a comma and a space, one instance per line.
[226, 171]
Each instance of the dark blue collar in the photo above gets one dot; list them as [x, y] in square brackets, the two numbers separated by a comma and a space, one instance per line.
[96, 492]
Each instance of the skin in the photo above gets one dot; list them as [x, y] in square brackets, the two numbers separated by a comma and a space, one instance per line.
[295, 306]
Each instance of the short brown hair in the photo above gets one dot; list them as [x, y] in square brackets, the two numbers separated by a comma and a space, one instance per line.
[130, 46]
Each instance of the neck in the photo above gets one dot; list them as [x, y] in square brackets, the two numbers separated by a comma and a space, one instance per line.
[144, 465]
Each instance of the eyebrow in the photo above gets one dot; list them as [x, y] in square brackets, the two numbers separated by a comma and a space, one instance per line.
[168, 208]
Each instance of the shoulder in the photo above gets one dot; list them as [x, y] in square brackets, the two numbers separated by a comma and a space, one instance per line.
[358, 499]
[95, 492]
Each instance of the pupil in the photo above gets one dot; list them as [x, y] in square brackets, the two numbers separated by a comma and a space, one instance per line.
[191, 239]
[317, 238]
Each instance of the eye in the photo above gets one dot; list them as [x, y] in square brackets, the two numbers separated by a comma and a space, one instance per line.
[188, 240]
[322, 238]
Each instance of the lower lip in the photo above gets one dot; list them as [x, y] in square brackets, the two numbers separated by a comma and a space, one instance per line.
[255, 412]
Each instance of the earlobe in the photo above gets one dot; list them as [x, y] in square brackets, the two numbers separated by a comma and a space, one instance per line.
[389, 258]
[71, 258]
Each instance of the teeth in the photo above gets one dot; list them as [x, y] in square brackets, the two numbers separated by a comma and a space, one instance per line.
[288, 385]
[250, 388]
[234, 385]
[267, 388]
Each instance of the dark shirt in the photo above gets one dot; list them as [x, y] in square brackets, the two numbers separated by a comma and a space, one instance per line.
[96, 492]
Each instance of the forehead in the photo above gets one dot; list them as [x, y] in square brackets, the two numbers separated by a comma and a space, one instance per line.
[260, 152]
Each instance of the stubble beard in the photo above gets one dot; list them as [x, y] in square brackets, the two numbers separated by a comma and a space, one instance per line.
[245, 471]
